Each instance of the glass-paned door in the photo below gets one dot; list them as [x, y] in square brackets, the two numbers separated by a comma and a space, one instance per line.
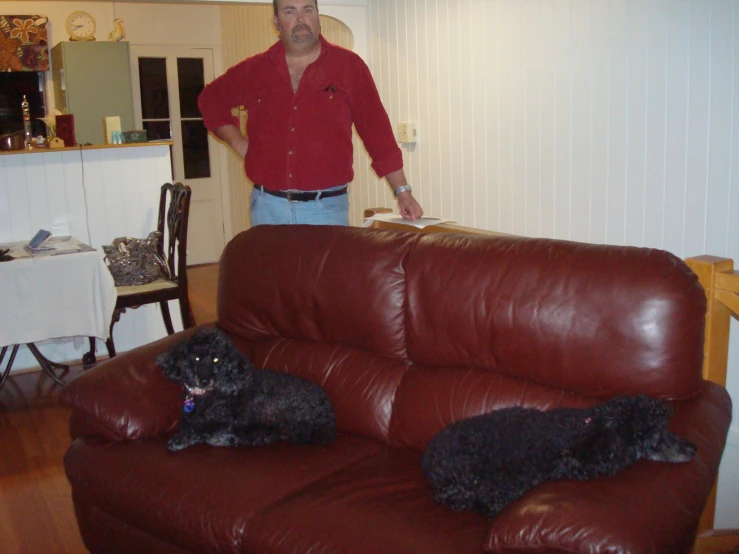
[167, 82]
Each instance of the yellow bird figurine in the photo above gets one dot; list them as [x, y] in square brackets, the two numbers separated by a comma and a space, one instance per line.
[120, 31]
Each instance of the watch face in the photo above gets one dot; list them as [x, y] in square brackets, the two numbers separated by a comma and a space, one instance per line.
[80, 25]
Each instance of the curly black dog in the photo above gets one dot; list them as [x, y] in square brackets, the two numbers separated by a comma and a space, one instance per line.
[230, 403]
[483, 463]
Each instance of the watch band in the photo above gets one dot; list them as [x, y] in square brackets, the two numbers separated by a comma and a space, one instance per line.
[404, 188]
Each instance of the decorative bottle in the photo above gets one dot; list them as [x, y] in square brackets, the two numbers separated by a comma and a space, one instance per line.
[26, 109]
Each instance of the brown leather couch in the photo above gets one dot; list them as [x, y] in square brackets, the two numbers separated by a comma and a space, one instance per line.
[407, 333]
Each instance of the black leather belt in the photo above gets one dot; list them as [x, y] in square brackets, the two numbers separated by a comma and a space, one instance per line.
[306, 196]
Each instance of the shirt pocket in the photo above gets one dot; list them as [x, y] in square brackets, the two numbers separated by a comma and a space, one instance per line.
[260, 108]
[334, 102]
[261, 100]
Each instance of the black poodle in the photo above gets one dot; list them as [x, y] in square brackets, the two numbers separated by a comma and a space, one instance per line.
[483, 463]
[230, 403]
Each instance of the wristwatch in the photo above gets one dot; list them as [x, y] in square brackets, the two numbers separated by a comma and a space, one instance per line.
[404, 188]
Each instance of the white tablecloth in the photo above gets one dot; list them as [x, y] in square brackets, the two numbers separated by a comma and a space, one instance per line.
[46, 297]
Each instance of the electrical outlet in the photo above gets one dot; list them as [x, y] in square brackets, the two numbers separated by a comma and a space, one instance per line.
[406, 133]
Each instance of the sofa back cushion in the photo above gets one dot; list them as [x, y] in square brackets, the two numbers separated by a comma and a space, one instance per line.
[495, 323]
[450, 394]
[589, 319]
[323, 284]
[361, 385]
[409, 332]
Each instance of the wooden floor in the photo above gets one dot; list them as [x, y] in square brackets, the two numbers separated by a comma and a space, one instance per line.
[36, 513]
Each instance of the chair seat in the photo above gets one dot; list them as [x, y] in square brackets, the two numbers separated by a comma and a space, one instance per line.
[159, 284]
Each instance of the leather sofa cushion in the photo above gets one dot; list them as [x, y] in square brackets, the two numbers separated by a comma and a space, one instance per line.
[380, 505]
[361, 385]
[451, 394]
[316, 283]
[98, 527]
[592, 319]
[202, 496]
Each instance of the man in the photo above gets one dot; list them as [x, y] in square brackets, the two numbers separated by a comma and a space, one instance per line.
[302, 96]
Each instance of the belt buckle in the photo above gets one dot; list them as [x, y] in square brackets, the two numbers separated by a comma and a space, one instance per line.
[289, 196]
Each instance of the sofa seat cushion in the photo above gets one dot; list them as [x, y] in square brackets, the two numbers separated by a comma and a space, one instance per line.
[201, 499]
[379, 505]
[97, 527]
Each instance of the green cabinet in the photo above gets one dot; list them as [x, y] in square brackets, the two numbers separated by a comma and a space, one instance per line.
[92, 80]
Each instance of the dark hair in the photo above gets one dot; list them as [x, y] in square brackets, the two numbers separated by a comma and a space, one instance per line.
[274, 5]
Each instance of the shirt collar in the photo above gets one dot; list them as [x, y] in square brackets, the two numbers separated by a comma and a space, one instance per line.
[277, 50]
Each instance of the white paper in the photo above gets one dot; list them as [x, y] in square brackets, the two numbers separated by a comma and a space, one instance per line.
[397, 218]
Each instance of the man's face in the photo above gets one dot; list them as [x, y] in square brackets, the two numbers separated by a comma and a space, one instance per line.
[297, 21]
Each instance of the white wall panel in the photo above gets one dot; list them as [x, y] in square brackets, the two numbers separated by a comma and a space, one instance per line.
[720, 122]
[637, 86]
[677, 78]
[698, 114]
[546, 73]
[475, 194]
[562, 106]
[655, 71]
[607, 122]
[581, 117]
[599, 153]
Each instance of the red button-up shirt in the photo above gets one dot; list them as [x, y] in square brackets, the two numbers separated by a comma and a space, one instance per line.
[303, 140]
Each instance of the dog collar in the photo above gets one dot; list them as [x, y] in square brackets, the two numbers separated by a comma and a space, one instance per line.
[198, 391]
[189, 404]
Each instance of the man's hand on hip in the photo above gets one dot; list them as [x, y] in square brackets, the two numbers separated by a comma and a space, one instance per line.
[232, 135]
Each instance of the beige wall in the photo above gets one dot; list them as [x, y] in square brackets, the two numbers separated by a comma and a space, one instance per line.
[174, 24]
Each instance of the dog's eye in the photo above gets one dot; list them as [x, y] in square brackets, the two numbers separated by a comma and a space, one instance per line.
[215, 360]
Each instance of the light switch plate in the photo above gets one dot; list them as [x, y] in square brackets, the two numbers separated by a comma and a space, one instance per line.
[407, 133]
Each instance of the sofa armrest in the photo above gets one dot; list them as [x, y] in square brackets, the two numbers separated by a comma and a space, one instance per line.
[649, 508]
[126, 397]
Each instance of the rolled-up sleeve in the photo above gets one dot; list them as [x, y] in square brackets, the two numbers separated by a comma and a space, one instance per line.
[220, 96]
[373, 124]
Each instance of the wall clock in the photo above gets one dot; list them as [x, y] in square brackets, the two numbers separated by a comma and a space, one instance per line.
[80, 26]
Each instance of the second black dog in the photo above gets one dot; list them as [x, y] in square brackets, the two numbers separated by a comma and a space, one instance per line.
[230, 403]
[483, 463]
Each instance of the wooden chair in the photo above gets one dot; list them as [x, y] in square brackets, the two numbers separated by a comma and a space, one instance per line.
[174, 211]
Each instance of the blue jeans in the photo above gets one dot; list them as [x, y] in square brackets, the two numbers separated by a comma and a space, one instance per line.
[267, 209]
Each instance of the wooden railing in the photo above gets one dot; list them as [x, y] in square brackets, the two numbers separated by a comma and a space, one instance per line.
[721, 284]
